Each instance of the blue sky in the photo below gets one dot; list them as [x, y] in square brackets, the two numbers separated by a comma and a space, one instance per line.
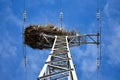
[79, 15]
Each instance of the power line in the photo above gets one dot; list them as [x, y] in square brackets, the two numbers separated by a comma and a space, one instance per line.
[98, 61]
[24, 47]
[61, 14]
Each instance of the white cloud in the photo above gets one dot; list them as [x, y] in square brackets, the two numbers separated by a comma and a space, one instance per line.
[35, 62]
[7, 47]
[85, 59]
[32, 3]
[112, 11]
[113, 47]
[106, 9]
[8, 40]
[49, 1]
[8, 17]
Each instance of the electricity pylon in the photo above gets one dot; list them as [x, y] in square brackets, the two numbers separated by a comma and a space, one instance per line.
[59, 64]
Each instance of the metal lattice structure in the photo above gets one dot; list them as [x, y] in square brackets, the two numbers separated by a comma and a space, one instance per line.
[59, 65]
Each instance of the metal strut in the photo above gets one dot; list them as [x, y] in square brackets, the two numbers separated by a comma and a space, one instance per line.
[59, 64]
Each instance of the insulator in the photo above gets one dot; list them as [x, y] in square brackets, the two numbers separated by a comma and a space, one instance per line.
[98, 63]
[98, 15]
[25, 61]
[61, 14]
[24, 14]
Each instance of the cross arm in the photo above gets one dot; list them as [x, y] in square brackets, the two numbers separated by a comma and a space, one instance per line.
[84, 39]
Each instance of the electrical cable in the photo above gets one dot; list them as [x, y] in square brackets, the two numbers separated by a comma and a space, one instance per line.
[98, 61]
[61, 14]
[24, 47]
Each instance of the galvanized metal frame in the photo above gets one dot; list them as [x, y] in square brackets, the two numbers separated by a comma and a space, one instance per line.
[59, 64]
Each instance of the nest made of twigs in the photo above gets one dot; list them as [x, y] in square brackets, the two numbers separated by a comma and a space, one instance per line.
[33, 35]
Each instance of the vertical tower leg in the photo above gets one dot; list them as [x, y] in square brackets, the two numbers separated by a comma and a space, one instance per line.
[59, 64]
[72, 74]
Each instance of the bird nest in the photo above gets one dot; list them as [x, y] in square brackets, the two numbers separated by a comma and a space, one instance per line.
[34, 35]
